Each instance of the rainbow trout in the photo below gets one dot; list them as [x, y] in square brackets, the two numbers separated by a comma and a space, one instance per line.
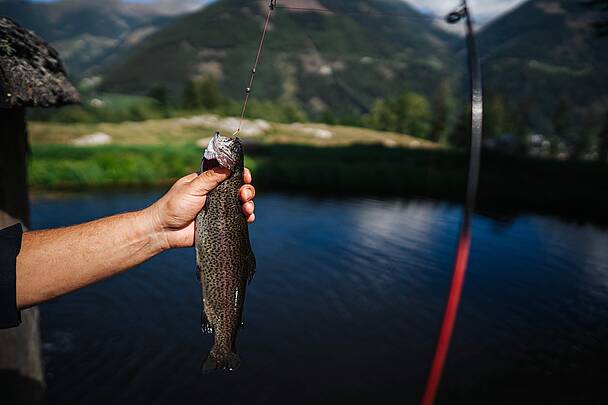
[224, 258]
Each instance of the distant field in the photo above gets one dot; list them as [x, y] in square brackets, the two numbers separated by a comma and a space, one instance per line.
[191, 130]
[157, 152]
[314, 159]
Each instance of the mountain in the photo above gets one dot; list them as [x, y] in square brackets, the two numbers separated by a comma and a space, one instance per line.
[545, 54]
[323, 61]
[87, 34]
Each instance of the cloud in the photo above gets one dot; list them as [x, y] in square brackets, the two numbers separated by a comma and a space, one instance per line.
[176, 6]
[482, 10]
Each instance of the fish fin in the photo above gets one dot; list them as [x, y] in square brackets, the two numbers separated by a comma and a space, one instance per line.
[221, 360]
[206, 326]
[251, 265]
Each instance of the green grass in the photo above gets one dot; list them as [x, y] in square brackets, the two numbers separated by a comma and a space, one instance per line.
[573, 189]
[64, 167]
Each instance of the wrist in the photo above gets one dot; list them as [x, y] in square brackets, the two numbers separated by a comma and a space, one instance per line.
[154, 229]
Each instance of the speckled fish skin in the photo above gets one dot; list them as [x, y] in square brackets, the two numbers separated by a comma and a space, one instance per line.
[224, 259]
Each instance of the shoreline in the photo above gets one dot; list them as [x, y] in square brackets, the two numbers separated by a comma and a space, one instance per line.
[573, 190]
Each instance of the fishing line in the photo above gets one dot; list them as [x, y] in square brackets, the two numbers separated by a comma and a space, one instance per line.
[272, 5]
[464, 239]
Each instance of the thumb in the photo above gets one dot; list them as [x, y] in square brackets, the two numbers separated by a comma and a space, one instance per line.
[208, 180]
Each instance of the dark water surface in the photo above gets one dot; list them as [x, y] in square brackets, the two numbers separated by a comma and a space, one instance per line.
[345, 308]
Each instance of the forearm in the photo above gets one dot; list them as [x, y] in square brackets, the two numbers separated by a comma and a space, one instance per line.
[57, 261]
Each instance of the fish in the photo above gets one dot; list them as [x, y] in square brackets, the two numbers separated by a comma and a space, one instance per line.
[225, 262]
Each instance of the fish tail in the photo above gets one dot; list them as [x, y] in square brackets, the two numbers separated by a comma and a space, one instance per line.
[221, 359]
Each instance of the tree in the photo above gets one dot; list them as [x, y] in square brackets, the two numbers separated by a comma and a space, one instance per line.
[442, 111]
[460, 134]
[292, 113]
[203, 93]
[601, 24]
[209, 93]
[561, 124]
[603, 143]
[520, 119]
[495, 117]
[328, 117]
[161, 94]
[191, 98]
[414, 115]
[382, 117]
[408, 113]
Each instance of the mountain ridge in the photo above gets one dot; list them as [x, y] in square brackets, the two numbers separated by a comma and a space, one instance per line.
[323, 61]
[86, 34]
[544, 52]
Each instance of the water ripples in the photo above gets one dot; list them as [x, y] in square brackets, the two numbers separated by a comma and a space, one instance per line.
[344, 308]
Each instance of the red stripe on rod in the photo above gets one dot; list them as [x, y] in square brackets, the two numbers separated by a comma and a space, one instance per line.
[449, 318]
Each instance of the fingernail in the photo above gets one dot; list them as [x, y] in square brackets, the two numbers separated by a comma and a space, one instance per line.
[248, 194]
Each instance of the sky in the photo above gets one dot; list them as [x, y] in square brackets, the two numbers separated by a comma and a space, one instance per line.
[482, 10]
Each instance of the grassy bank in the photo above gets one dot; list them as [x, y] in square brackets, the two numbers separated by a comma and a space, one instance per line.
[573, 189]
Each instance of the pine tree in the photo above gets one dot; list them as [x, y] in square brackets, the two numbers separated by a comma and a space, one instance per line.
[408, 113]
[495, 117]
[209, 94]
[191, 98]
[413, 114]
[443, 110]
[519, 122]
[382, 117]
[460, 133]
[160, 93]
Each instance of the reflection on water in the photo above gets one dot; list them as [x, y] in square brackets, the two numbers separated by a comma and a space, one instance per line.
[345, 308]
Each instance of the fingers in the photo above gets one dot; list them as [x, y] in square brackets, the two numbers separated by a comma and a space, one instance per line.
[209, 180]
[248, 208]
[247, 176]
[186, 179]
[247, 193]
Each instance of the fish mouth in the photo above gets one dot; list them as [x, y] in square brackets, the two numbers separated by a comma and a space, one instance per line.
[220, 148]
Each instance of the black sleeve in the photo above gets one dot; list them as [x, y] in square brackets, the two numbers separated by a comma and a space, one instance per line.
[10, 244]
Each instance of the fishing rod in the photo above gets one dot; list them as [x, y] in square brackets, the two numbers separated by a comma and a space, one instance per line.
[464, 239]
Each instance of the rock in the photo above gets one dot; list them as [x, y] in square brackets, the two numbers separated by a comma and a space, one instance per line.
[319, 133]
[31, 72]
[227, 125]
[97, 103]
[98, 138]
[389, 143]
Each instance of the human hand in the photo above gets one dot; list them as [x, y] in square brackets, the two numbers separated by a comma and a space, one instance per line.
[173, 215]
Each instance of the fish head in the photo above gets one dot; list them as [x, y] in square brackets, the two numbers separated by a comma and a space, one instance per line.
[227, 151]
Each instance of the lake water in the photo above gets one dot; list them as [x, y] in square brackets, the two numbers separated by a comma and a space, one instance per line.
[345, 308]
